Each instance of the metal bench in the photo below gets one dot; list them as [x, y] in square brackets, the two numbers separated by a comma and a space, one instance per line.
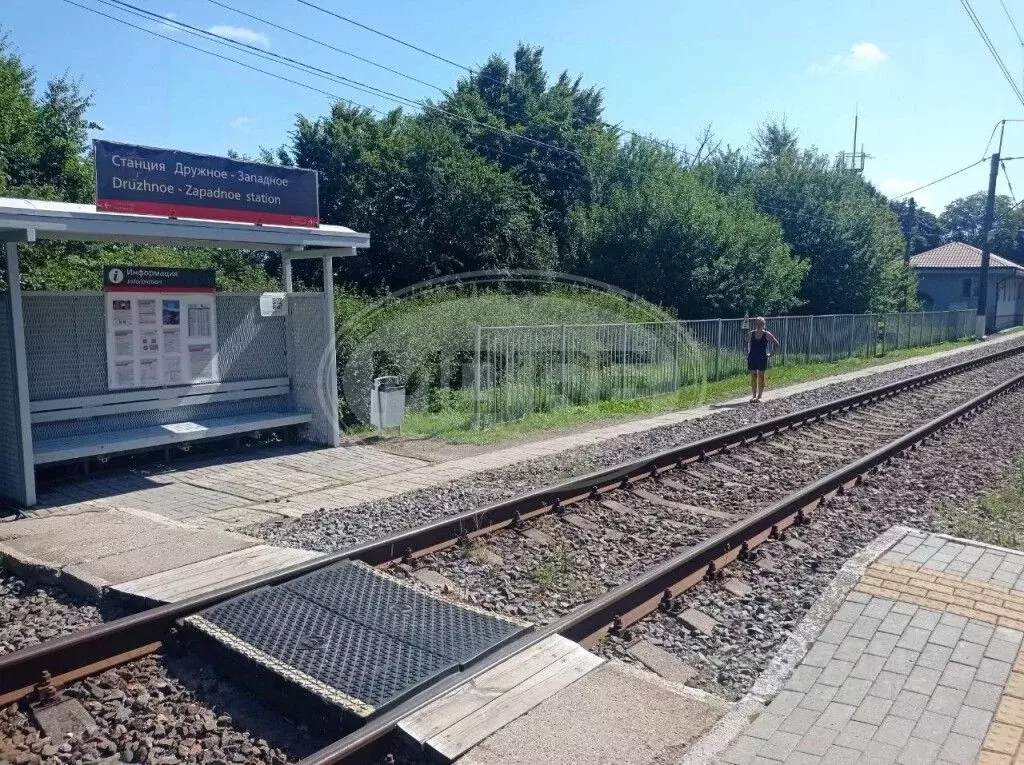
[117, 440]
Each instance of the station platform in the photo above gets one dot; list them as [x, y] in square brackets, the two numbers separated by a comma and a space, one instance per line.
[919, 661]
[137, 532]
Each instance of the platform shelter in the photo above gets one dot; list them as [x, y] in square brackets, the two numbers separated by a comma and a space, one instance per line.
[272, 361]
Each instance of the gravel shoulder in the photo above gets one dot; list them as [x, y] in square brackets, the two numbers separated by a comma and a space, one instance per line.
[338, 528]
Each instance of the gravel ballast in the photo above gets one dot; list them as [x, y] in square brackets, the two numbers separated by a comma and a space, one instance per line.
[338, 528]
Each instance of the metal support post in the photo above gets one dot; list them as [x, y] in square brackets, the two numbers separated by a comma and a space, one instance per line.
[565, 364]
[476, 378]
[810, 339]
[332, 350]
[286, 272]
[986, 248]
[21, 371]
[622, 372]
[675, 360]
[718, 349]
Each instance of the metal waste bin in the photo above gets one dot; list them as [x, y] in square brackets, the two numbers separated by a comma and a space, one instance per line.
[387, 403]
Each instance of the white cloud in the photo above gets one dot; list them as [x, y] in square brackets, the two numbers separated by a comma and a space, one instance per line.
[167, 25]
[242, 123]
[240, 34]
[861, 57]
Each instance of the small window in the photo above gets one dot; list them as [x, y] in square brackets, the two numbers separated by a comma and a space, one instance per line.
[967, 287]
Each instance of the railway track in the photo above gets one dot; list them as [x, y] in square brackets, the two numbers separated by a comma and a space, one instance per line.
[684, 514]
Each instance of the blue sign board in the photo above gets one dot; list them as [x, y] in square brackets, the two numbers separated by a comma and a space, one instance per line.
[140, 179]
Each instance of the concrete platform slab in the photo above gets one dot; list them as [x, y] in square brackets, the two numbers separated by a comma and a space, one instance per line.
[110, 547]
[615, 714]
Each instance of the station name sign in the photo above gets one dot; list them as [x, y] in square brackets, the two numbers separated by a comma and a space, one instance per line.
[176, 184]
[154, 279]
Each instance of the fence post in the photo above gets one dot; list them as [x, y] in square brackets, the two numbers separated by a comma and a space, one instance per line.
[622, 377]
[476, 378]
[565, 366]
[881, 327]
[810, 338]
[853, 334]
[675, 361]
[785, 339]
[718, 348]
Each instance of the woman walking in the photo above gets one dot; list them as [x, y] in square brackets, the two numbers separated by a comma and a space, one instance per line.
[758, 351]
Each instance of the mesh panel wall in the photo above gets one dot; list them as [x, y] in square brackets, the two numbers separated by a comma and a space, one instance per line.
[65, 340]
[311, 384]
[12, 477]
[249, 346]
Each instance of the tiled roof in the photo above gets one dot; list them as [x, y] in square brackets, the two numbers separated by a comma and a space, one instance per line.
[958, 255]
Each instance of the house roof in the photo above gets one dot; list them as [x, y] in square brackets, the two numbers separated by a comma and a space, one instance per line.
[958, 255]
[62, 220]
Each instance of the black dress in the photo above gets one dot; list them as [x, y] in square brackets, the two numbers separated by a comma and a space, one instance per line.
[757, 356]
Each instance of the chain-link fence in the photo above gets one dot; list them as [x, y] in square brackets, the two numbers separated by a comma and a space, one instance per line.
[519, 370]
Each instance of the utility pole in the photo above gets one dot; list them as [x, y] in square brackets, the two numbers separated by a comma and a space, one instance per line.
[986, 247]
[911, 231]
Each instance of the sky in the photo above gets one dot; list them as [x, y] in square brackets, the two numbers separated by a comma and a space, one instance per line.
[927, 90]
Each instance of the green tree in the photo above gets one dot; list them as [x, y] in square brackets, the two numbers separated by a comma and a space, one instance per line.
[832, 218]
[663, 232]
[962, 221]
[920, 227]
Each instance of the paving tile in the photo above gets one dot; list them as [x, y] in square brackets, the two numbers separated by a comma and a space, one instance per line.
[835, 716]
[933, 725]
[836, 672]
[784, 703]
[910, 705]
[834, 631]
[922, 680]
[1003, 738]
[957, 675]
[946, 635]
[919, 752]
[904, 608]
[779, 746]
[853, 691]
[817, 740]
[799, 721]
[1002, 650]
[953, 620]
[865, 627]
[851, 648]
[868, 666]
[968, 653]
[960, 750]
[803, 677]
[901, 660]
[1011, 711]
[882, 644]
[947, 701]
[840, 755]
[888, 684]
[878, 608]
[819, 655]
[895, 623]
[914, 638]
[818, 697]
[983, 695]
[935, 656]
[872, 710]
[856, 735]
[894, 730]
[992, 671]
[878, 753]
[971, 721]
[743, 751]
[765, 725]
[925, 619]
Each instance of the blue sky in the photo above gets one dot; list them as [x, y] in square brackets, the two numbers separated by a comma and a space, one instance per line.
[927, 90]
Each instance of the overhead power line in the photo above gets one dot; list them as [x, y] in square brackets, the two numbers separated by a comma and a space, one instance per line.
[1009, 18]
[469, 70]
[306, 86]
[940, 180]
[992, 48]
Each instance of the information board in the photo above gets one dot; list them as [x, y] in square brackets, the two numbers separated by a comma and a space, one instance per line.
[177, 184]
[159, 333]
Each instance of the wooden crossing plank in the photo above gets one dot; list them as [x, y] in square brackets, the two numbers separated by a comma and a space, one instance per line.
[463, 735]
[438, 716]
[195, 578]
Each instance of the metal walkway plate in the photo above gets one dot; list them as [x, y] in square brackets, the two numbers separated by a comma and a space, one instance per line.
[354, 636]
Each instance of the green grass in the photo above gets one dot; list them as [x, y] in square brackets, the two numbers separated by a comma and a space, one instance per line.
[456, 426]
[996, 518]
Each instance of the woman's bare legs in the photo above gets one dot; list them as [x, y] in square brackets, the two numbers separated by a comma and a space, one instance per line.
[760, 385]
[753, 386]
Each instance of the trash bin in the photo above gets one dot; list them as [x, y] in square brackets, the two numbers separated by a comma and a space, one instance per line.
[387, 403]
